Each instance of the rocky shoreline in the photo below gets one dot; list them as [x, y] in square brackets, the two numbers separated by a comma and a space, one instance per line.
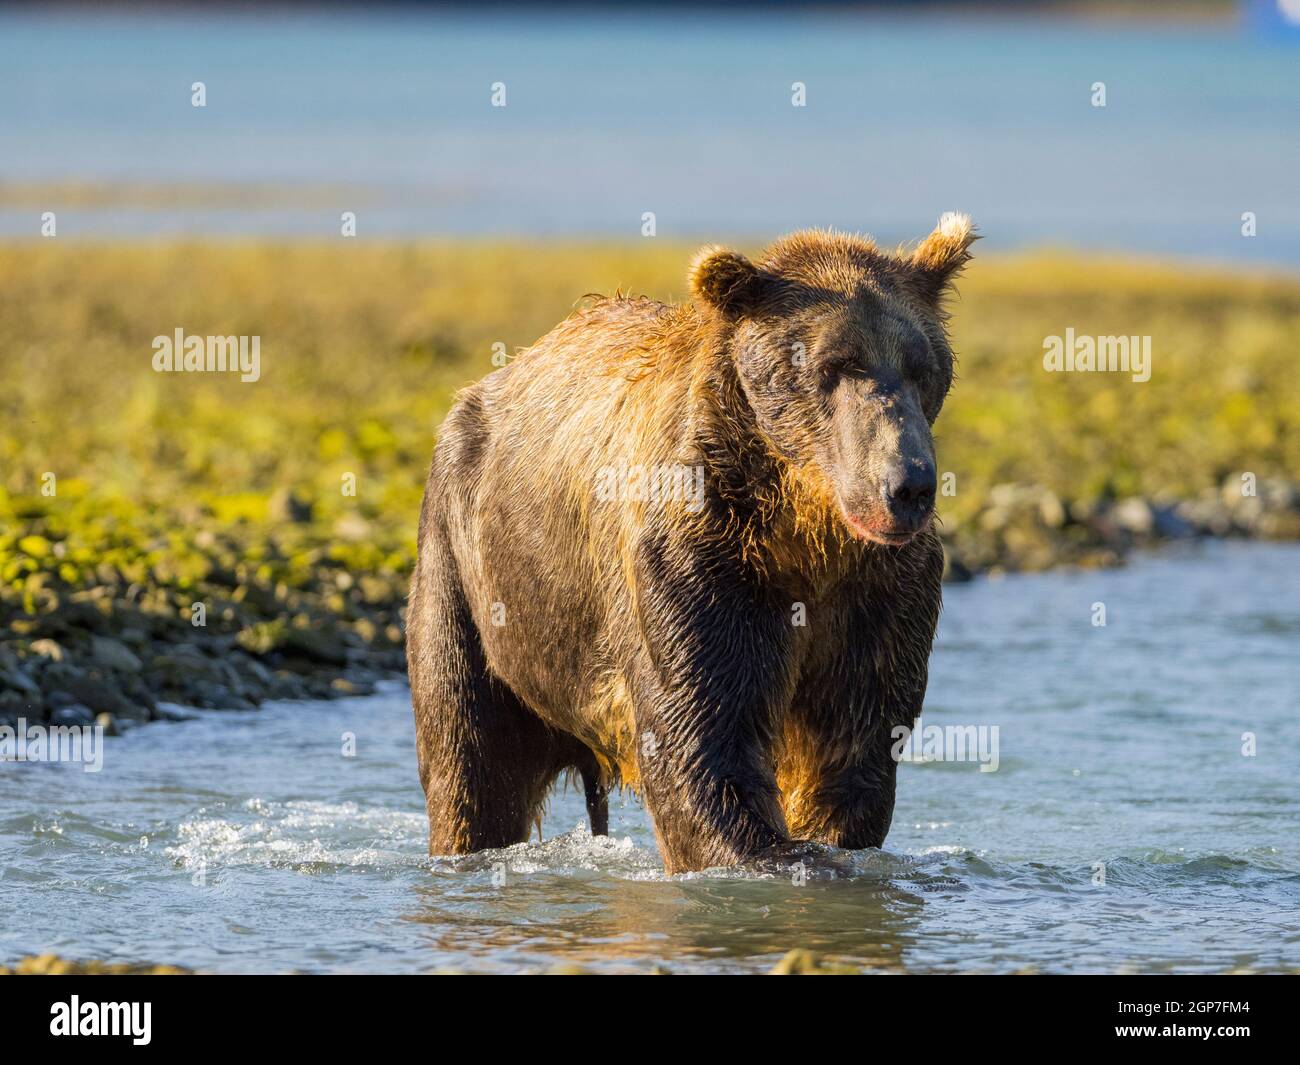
[118, 642]
[1027, 528]
[232, 621]
[53, 965]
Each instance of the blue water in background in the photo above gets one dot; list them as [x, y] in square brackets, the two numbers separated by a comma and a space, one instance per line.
[688, 115]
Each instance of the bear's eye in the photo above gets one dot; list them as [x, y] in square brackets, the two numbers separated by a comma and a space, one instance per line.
[922, 369]
[918, 360]
[833, 369]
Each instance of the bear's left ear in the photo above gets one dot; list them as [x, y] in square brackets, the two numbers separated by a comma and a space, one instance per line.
[725, 280]
[940, 257]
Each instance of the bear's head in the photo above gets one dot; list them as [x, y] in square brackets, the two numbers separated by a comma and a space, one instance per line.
[842, 356]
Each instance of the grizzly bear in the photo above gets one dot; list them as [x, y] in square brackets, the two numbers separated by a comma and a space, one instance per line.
[734, 640]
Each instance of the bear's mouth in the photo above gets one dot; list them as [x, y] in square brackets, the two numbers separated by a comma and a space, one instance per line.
[889, 535]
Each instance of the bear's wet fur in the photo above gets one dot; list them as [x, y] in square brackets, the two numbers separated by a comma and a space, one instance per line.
[738, 655]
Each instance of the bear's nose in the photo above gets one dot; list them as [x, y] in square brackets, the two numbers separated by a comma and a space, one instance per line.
[909, 488]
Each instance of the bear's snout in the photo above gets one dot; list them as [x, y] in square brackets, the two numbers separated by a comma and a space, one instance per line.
[908, 492]
[900, 508]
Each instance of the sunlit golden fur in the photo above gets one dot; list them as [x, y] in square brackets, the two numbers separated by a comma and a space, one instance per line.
[568, 599]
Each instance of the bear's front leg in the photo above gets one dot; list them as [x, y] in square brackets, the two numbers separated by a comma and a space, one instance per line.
[836, 790]
[712, 669]
[866, 681]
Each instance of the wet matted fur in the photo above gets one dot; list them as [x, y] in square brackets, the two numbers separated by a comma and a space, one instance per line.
[741, 656]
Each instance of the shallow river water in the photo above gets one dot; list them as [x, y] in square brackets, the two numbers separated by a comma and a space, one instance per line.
[1124, 827]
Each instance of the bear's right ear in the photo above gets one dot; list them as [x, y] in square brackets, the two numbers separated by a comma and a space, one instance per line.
[725, 280]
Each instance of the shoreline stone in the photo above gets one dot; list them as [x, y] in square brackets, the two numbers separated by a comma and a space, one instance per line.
[54, 965]
[1026, 528]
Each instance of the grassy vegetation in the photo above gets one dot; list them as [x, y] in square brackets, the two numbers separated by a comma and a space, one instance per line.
[1222, 396]
[180, 487]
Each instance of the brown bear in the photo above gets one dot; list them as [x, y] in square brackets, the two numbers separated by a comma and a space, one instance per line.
[690, 549]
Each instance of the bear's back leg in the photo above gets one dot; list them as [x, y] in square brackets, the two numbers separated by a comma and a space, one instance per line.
[596, 792]
[486, 760]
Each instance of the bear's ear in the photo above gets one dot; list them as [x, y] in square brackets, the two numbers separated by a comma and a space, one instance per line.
[939, 258]
[725, 280]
